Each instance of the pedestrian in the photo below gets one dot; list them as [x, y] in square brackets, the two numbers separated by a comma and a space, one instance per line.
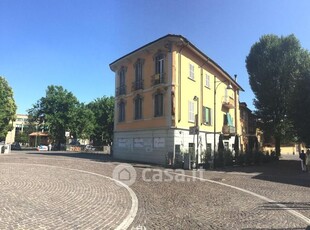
[308, 160]
[302, 157]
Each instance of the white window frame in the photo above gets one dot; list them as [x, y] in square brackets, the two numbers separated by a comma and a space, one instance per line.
[191, 71]
[207, 109]
[207, 81]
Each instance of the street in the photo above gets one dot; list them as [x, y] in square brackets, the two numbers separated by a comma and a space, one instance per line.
[59, 190]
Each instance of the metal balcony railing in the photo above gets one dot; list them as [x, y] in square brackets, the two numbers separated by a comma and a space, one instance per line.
[136, 85]
[228, 102]
[121, 90]
[228, 130]
[158, 79]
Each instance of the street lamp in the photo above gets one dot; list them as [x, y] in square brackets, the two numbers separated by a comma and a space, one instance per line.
[214, 131]
[197, 129]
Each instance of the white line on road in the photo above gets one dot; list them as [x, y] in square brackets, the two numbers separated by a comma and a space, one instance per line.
[282, 206]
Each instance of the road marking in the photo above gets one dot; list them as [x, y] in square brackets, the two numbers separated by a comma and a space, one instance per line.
[282, 206]
[134, 200]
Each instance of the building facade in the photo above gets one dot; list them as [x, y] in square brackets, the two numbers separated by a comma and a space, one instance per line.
[251, 136]
[19, 125]
[172, 98]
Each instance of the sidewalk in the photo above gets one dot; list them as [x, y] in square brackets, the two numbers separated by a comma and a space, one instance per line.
[286, 170]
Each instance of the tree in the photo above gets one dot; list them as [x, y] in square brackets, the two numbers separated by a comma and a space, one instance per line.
[300, 101]
[60, 111]
[273, 65]
[7, 108]
[83, 122]
[103, 110]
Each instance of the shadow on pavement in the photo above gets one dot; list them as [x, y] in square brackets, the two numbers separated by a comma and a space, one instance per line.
[286, 205]
[287, 170]
[91, 156]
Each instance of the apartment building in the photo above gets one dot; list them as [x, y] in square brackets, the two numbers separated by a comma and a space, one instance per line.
[19, 125]
[172, 98]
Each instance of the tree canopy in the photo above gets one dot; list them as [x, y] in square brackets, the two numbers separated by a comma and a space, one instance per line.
[274, 66]
[59, 112]
[7, 108]
[300, 102]
[103, 109]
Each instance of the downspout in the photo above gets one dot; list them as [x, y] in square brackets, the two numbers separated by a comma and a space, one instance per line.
[236, 107]
[236, 113]
[180, 81]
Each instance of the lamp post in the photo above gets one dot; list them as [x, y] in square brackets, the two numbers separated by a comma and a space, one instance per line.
[36, 140]
[197, 129]
[214, 130]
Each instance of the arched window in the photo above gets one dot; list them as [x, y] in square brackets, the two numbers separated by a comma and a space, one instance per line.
[121, 111]
[138, 74]
[158, 104]
[138, 107]
[121, 89]
[159, 69]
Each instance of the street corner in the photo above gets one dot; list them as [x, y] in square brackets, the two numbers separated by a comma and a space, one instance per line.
[124, 174]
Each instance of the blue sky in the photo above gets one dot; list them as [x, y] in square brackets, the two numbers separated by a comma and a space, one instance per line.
[72, 42]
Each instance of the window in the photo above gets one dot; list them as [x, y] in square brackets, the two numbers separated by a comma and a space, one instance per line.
[138, 107]
[191, 111]
[207, 80]
[159, 105]
[121, 111]
[122, 85]
[228, 120]
[192, 71]
[138, 74]
[206, 113]
[159, 67]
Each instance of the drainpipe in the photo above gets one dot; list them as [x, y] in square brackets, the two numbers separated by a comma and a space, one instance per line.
[236, 104]
[180, 81]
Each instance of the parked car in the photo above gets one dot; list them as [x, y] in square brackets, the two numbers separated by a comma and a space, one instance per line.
[15, 146]
[42, 148]
[89, 148]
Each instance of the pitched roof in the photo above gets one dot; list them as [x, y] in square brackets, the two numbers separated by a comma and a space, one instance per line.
[185, 40]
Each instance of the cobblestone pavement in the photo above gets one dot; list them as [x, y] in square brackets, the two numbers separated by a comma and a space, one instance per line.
[53, 190]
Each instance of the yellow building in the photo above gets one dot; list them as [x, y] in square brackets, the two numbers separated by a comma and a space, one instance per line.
[164, 90]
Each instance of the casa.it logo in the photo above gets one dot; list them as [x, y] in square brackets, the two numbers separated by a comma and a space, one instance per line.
[125, 174]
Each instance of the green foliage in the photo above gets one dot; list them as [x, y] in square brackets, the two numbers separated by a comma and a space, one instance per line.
[274, 64]
[83, 122]
[22, 137]
[7, 108]
[300, 102]
[103, 110]
[60, 111]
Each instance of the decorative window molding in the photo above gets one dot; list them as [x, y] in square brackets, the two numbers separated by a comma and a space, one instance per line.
[158, 104]
[121, 89]
[121, 110]
[138, 100]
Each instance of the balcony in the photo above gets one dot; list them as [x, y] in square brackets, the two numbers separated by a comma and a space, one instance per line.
[228, 130]
[228, 102]
[158, 79]
[121, 90]
[136, 85]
